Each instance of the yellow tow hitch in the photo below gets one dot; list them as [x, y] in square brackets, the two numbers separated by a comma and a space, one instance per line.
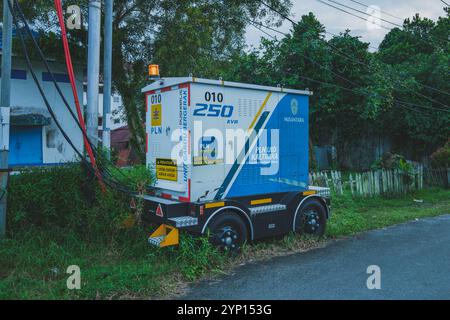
[165, 236]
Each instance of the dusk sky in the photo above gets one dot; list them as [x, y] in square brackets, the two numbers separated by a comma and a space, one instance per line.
[336, 21]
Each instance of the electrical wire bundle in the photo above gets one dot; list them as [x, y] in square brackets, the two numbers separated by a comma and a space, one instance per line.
[98, 166]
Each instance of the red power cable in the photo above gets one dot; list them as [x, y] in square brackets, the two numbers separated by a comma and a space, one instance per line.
[59, 11]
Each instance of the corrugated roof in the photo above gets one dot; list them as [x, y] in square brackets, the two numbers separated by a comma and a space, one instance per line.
[172, 82]
[120, 135]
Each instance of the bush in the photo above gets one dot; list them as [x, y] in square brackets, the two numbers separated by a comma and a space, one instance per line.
[58, 217]
[391, 161]
[441, 158]
[62, 200]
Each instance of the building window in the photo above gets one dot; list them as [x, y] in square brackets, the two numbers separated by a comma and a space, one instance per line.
[51, 139]
[59, 77]
[18, 74]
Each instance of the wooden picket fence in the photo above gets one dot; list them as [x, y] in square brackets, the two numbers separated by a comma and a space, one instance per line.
[328, 179]
[437, 178]
[386, 182]
[381, 182]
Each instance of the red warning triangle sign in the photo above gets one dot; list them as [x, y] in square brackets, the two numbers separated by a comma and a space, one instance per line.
[159, 211]
[133, 205]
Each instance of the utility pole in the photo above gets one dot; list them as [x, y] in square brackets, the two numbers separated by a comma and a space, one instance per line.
[5, 104]
[107, 76]
[93, 71]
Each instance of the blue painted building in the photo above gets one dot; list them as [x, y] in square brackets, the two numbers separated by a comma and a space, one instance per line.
[34, 138]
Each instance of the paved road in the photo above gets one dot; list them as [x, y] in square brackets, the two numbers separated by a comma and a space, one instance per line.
[414, 259]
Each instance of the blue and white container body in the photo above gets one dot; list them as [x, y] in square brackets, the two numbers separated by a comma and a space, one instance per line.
[213, 140]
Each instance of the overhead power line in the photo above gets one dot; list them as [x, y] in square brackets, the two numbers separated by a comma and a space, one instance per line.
[365, 13]
[338, 52]
[356, 60]
[350, 81]
[352, 14]
[255, 25]
[357, 92]
[386, 13]
[336, 35]
[373, 22]
[385, 20]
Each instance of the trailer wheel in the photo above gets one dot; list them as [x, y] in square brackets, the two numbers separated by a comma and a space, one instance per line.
[228, 232]
[311, 219]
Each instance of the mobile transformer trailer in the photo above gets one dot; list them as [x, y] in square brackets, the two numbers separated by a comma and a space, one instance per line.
[231, 160]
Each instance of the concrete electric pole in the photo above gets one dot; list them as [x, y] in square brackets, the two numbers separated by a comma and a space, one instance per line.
[107, 76]
[5, 104]
[93, 71]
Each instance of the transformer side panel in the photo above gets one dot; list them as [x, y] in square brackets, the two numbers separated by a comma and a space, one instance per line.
[221, 117]
[168, 142]
[279, 162]
[247, 142]
[208, 125]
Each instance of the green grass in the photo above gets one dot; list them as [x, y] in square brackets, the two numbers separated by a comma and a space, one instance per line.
[34, 267]
[352, 216]
[58, 217]
[118, 264]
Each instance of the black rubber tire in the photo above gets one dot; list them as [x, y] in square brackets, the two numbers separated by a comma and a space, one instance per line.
[222, 225]
[316, 206]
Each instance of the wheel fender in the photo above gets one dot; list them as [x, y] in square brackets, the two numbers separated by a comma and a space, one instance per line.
[237, 210]
[303, 202]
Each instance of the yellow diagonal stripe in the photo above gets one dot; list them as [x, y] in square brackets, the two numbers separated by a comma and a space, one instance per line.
[260, 111]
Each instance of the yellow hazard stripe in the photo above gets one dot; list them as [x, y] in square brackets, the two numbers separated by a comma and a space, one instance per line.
[261, 201]
[260, 111]
[215, 205]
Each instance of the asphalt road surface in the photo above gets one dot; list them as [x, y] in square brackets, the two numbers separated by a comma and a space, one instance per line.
[414, 260]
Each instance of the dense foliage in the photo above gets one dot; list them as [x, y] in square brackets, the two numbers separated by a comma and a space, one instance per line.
[441, 158]
[400, 92]
[66, 198]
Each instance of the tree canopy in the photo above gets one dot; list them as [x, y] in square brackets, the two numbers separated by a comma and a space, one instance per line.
[190, 36]
[400, 92]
